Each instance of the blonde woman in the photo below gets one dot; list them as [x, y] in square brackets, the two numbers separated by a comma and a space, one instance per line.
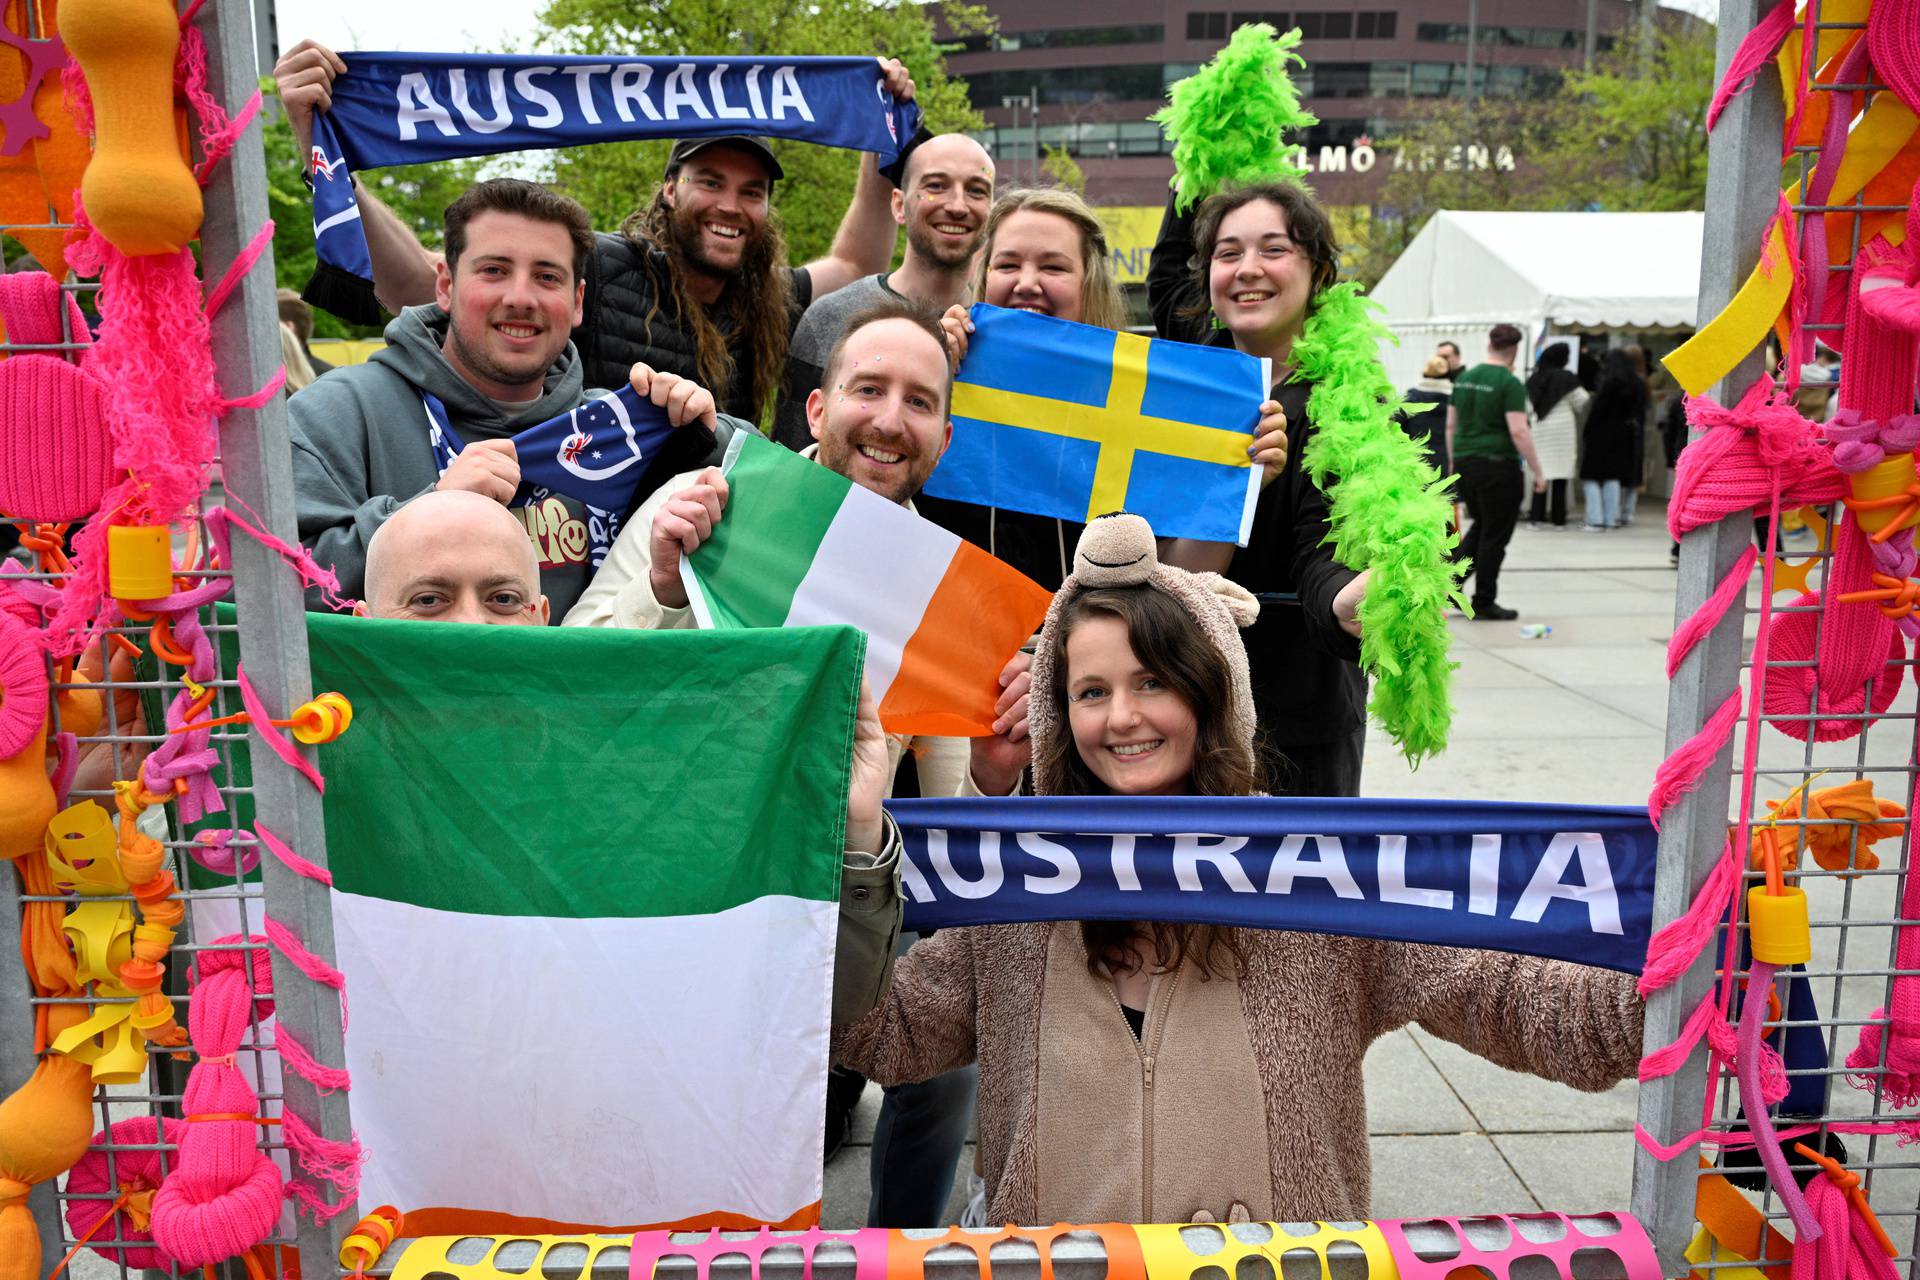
[1045, 252]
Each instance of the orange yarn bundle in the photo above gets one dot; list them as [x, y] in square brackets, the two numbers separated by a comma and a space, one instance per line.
[1833, 817]
[44, 1128]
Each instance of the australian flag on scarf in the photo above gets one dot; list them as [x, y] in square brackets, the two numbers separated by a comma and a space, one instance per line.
[598, 452]
[338, 239]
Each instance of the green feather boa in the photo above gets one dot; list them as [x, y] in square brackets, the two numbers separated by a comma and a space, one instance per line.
[1389, 514]
[1226, 120]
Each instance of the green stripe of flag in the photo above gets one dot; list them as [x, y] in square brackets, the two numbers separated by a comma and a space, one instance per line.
[778, 508]
[579, 772]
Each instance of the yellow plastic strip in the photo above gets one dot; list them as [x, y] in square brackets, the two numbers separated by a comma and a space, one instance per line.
[428, 1255]
[1168, 1256]
[1708, 355]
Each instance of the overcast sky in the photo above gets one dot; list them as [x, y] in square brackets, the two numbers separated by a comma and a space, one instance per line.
[460, 25]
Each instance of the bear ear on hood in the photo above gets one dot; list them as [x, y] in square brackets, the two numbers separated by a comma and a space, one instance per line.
[1241, 603]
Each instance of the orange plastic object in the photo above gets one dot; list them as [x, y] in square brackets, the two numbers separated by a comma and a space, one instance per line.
[1779, 925]
[1841, 825]
[139, 562]
[27, 802]
[44, 1128]
[907, 1259]
[138, 191]
[1884, 501]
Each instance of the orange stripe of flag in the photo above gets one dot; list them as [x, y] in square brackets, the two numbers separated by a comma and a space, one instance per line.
[949, 677]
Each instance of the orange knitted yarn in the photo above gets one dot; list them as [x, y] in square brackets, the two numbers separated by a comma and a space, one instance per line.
[1834, 814]
[44, 1129]
[27, 802]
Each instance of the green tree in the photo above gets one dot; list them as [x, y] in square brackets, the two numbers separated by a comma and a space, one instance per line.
[1629, 135]
[613, 179]
[418, 193]
[1062, 169]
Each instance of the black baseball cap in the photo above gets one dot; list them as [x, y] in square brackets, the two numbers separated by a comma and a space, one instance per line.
[687, 148]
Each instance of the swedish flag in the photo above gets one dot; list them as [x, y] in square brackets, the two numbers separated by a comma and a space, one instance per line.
[1063, 419]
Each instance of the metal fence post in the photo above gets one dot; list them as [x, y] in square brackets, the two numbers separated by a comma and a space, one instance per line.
[258, 474]
[1743, 165]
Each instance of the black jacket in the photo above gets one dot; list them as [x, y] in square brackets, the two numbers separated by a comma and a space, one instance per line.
[1615, 434]
[1307, 684]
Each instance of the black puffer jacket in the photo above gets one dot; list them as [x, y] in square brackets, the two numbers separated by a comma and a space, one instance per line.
[621, 328]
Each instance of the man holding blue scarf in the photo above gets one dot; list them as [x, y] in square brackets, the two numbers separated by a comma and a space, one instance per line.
[696, 282]
[482, 390]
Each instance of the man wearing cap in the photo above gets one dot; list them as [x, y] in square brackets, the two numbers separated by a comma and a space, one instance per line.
[1487, 436]
[695, 283]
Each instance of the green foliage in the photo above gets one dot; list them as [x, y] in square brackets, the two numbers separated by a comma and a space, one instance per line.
[417, 193]
[1227, 120]
[1062, 169]
[1630, 135]
[613, 179]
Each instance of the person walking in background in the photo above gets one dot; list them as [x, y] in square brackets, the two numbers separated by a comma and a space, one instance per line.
[1425, 417]
[1614, 421]
[1559, 407]
[1635, 478]
[1450, 353]
[1487, 434]
[298, 316]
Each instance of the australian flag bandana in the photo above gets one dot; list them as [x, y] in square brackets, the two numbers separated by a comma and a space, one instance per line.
[596, 454]
[409, 108]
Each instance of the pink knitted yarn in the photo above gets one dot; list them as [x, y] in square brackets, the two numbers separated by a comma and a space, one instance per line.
[56, 459]
[1899, 1084]
[225, 1195]
[1893, 40]
[1845, 1247]
[91, 1193]
[23, 686]
[1681, 772]
[1860, 645]
[1732, 467]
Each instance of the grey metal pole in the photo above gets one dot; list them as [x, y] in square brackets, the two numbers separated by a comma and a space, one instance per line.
[1743, 161]
[258, 470]
[1593, 27]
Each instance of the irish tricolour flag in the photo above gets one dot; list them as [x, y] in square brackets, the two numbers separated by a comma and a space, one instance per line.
[800, 545]
[585, 890]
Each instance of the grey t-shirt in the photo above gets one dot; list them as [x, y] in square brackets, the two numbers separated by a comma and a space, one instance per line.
[819, 329]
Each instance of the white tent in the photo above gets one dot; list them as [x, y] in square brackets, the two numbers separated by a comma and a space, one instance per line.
[1546, 272]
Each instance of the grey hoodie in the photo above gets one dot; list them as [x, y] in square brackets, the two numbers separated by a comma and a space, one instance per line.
[360, 449]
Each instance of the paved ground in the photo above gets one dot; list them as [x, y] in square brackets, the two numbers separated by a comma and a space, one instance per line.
[1576, 717]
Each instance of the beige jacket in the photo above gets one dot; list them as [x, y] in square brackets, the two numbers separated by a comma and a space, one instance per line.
[1242, 1098]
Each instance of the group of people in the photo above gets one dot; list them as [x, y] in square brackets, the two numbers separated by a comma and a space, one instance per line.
[1125, 1071]
[1588, 421]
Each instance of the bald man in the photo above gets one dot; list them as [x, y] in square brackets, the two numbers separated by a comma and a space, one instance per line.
[452, 555]
[945, 195]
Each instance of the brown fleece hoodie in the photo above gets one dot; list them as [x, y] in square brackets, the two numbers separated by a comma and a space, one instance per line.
[1243, 1096]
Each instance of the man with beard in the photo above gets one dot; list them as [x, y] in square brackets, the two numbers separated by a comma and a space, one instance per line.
[945, 194]
[695, 284]
[488, 357]
[879, 418]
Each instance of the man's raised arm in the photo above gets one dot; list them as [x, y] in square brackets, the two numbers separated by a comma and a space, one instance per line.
[863, 246]
[402, 267]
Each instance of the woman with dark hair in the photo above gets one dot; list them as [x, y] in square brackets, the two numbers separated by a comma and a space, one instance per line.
[1559, 407]
[1615, 422]
[1254, 259]
[1146, 1071]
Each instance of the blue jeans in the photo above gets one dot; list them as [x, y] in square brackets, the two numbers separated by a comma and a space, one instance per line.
[1603, 502]
[1629, 500]
[917, 1143]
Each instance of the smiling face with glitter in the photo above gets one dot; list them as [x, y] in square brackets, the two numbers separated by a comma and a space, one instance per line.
[881, 416]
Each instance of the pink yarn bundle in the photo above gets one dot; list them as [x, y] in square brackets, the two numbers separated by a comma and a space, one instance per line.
[224, 1196]
[117, 1231]
[1860, 646]
[1899, 1083]
[1846, 1247]
[1743, 453]
[1893, 40]
[56, 457]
